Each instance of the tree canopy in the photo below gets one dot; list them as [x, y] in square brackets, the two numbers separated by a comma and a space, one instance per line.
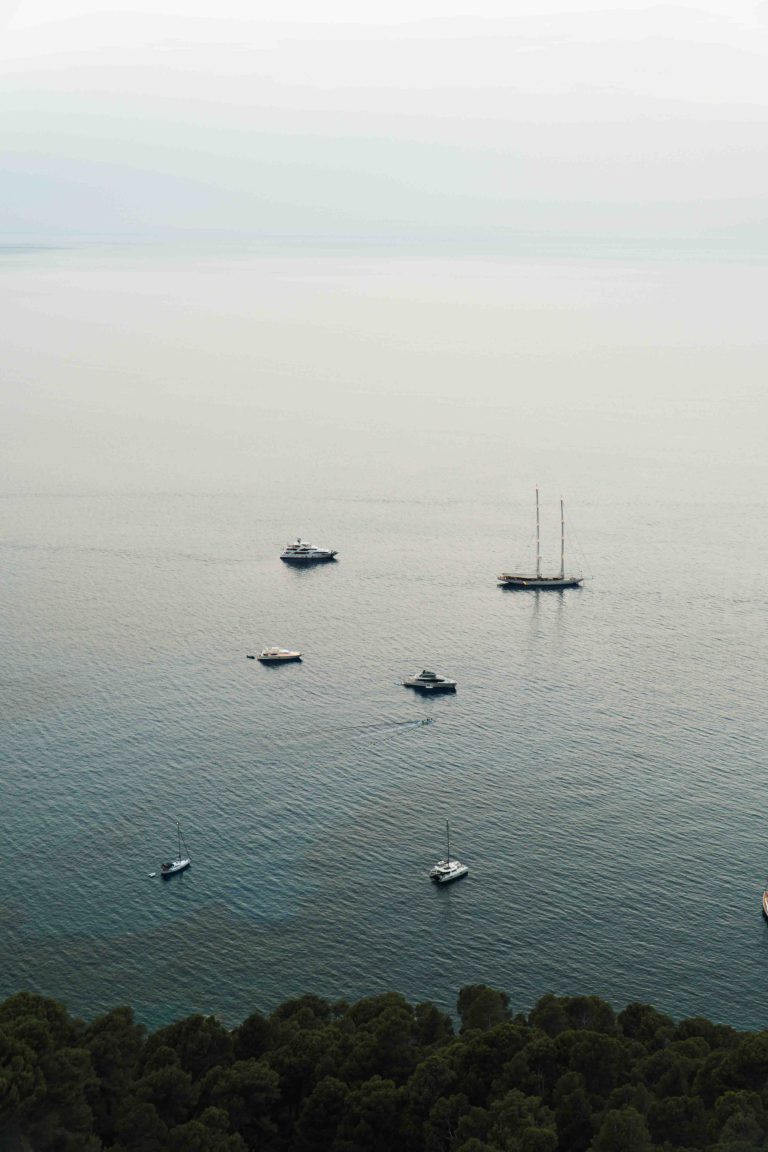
[382, 1074]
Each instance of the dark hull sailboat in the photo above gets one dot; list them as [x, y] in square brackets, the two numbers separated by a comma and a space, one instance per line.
[535, 582]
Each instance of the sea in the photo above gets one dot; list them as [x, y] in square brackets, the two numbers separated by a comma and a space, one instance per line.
[172, 416]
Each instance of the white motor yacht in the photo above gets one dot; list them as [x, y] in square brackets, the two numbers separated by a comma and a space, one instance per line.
[446, 870]
[427, 681]
[278, 656]
[303, 553]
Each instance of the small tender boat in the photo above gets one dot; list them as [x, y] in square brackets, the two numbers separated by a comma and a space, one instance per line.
[430, 682]
[303, 553]
[180, 863]
[446, 870]
[278, 656]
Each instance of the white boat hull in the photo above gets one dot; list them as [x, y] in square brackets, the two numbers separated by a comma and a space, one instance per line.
[446, 874]
[174, 866]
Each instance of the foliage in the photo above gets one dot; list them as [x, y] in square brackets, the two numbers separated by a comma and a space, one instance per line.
[382, 1074]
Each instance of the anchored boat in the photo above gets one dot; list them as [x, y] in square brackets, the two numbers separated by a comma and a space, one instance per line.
[278, 656]
[430, 682]
[181, 862]
[303, 553]
[446, 870]
[538, 582]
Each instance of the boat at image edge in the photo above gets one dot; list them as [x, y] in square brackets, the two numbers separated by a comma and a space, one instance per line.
[430, 682]
[538, 582]
[447, 870]
[303, 553]
[765, 903]
[171, 867]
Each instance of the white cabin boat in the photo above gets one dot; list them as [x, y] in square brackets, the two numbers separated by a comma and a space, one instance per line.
[535, 581]
[182, 861]
[426, 681]
[303, 553]
[448, 869]
[278, 656]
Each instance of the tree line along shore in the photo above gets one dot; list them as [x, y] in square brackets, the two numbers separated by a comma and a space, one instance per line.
[382, 1075]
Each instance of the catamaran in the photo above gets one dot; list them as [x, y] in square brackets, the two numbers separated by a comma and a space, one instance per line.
[538, 582]
[446, 870]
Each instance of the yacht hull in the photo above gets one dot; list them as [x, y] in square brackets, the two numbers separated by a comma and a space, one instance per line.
[307, 561]
[176, 867]
[429, 689]
[539, 583]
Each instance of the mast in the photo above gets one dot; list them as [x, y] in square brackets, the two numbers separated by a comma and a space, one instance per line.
[538, 539]
[178, 829]
[448, 839]
[562, 541]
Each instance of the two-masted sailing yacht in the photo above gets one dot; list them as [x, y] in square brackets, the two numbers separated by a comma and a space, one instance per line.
[539, 582]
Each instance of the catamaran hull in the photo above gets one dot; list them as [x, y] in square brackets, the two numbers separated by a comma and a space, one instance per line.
[449, 878]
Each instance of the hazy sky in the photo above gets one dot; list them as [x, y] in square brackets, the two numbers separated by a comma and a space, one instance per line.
[566, 117]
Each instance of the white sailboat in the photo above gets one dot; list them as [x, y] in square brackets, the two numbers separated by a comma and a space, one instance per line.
[446, 870]
[181, 862]
[538, 582]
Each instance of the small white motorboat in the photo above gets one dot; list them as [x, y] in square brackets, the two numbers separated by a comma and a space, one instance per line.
[278, 656]
[303, 553]
[182, 861]
[446, 870]
[427, 681]
[765, 903]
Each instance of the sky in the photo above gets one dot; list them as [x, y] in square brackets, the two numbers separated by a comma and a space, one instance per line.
[565, 118]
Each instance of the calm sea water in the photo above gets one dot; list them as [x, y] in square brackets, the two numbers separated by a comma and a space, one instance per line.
[169, 422]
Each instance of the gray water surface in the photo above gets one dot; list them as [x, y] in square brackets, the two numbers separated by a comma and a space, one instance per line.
[170, 423]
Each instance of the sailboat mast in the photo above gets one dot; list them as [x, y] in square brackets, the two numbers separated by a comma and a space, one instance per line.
[448, 840]
[562, 540]
[538, 538]
[178, 829]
